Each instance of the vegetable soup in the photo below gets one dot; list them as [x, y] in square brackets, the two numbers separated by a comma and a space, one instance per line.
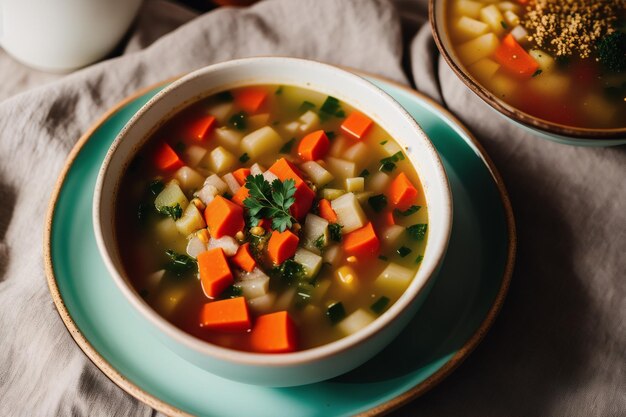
[271, 219]
[561, 61]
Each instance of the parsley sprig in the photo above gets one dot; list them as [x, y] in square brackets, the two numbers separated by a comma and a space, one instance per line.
[271, 201]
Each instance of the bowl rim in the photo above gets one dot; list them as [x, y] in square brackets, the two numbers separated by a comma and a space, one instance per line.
[507, 110]
[281, 360]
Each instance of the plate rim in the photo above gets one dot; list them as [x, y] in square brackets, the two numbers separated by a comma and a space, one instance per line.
[162, 406]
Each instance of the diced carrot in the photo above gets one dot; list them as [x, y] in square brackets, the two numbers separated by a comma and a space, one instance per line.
[274, 333]
[388, 218]
[402, 193]
[361, 242]
[304, 196]
[223, 217]
[199, 129]
[165, 158]
[240, 196]
[282, 246]
[356, 125]
[243, 258]
[313, 146]
[326, 211]
[230, 315]
[241, 174]
[215, 274]
[513, 58]
[250, 99]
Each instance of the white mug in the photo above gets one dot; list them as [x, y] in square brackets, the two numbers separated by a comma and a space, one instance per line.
[63, 35]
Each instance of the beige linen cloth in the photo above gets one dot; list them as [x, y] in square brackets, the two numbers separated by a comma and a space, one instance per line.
[558, 347]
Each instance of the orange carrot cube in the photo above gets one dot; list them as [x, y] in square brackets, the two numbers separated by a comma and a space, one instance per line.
[356, 125]
[274, 333]
[313, 146]
[282, 246]
[230, 315]
[165, 158]
[250, 99]
[199, 129]
[304, 196]
[361, 242]
[215, 274]
[241, 174]
[240, 196]
[402, 193]
[326, 211]
[243, 258]
[223, 217]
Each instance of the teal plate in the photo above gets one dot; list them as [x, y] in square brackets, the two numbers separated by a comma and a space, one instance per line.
[458, 312]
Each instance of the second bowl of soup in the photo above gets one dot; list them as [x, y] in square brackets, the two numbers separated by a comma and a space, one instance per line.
[267, 216]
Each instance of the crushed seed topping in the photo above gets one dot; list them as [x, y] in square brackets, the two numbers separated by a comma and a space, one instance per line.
[571, 27]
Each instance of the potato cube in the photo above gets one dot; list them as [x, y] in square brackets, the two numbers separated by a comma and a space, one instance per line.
[468, 8]
[217, 182]
[520, 34]
[491, 15]
[193, 154]
[511, 18]
[502, 85]
[341, 168]
[317, 173]
[477, 49]
[355, 322]
[545, 61]
[189, 179]
[221, 111]
[551, 84]
[378, 182]
[355, 184]
[315, 228]
[391, 147]
[258, 120]
[261, 142]
[310, 261]
[484, 69]
[228, 138]
[309, 121]
[468, 28]
[358, 153]
[263, 304]
[349, 212]
[391, 235]
[191, 221]
[332, 254]
[332, 193]
[394, 279]
[170, 196]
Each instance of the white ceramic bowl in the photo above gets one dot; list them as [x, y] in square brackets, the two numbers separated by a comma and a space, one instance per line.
[325, 361]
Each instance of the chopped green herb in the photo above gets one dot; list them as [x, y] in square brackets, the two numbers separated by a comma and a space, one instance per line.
[227, 195]
[271, 201]
[287, 146]
[279, 90]
[411, 210]
[175, 212]
[233, 291]
[384, 142]
[244, 158]
[224, 96]
[387, 167]
[380, 305]
[504, 25]
[306, 106]
[156, 187]
[539, 71]
[341, 114]
[290, 271]
[378, 202]
[334, 229]
[365, 173]
[383, 258]
[315, 207]
[419, 259]
[336, 312]
[320, 242]
[304, 291]
[331, 107]
[389, 164]
[179, 264]
[403, 251]
[330, 134]
[417, 231]
[238, 121]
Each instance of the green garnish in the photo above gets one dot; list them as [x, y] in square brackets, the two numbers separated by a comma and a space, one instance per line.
[336, 312]
[306, 106]
[408, 212]
[380, 305]
[233, 291]
[403, 251]
[330, 134]
[175, 211]
[179, 264]
[279, 90]
[156, 187]
[504, 25]
[304, 292]
[334, 229]
[244, 158]
[331, 107]
[365, 173]
[290, 271]
[224, 96]
[417, 231]
[287, 146]
[227, 195]
[539, 71]
[270, 201]
[383, 258]
[419, 259]
[238, 121]
[384, 142]
[320, 242]
[378, 202]
[389, 164]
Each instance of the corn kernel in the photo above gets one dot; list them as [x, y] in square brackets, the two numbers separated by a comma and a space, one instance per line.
[351, 259]
[203, 235]
[257, 231]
